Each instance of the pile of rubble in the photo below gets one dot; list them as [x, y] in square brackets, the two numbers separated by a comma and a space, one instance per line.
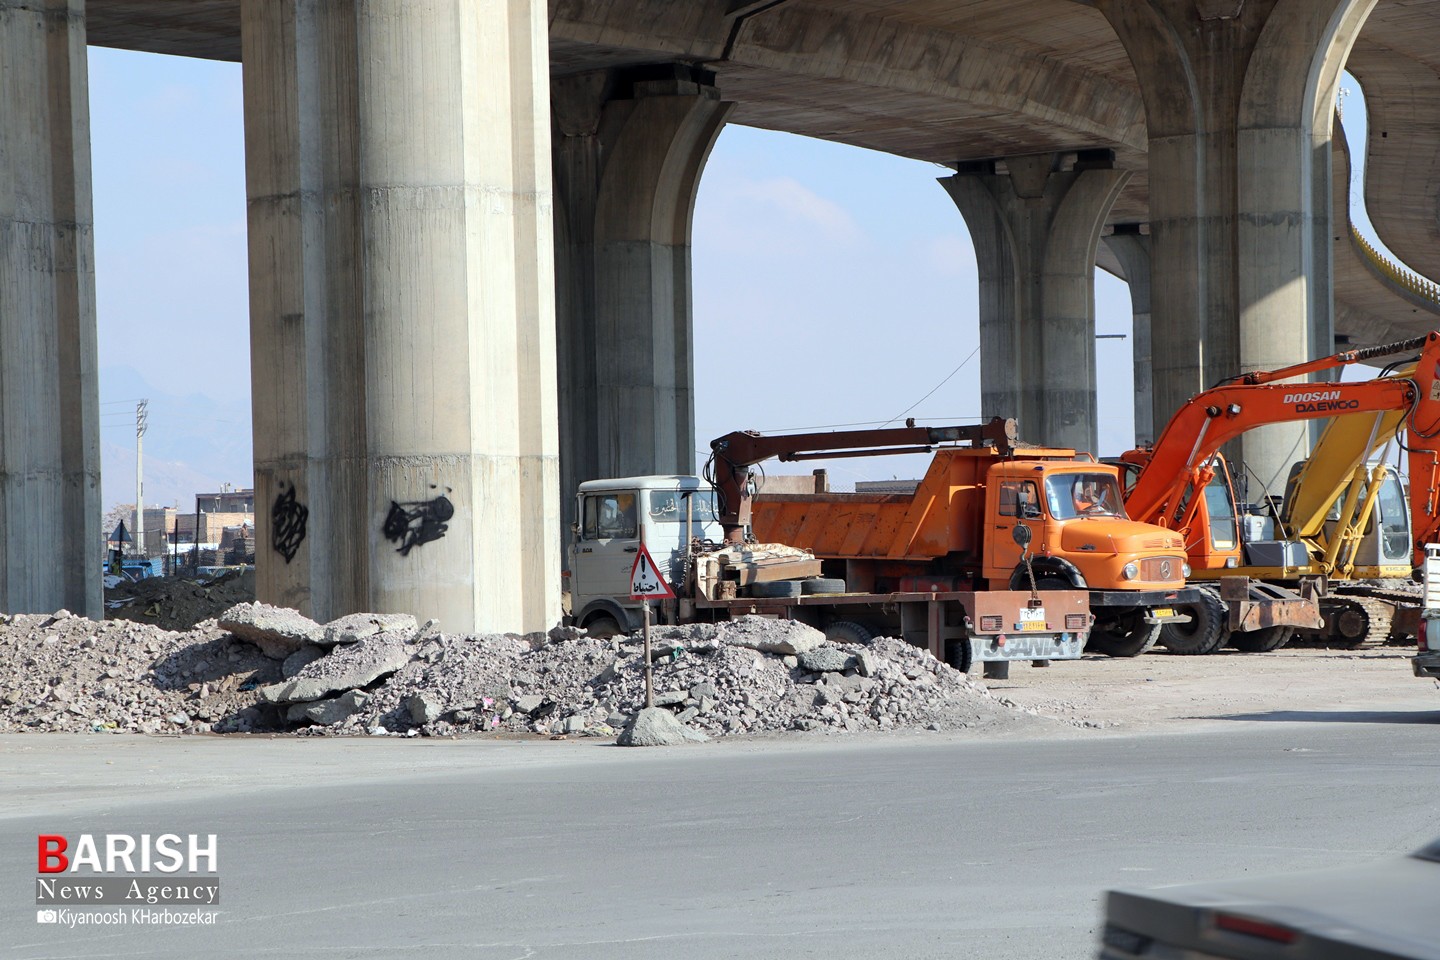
[260, 668]
[175, 603]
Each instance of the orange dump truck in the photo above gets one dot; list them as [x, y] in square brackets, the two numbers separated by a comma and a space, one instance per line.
[978, 515]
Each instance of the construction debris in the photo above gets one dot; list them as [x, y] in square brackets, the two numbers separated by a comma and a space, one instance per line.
[378, 675]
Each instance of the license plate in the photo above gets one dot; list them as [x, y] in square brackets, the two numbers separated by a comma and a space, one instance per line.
[1160, 612]
[1032, 614]
[1030, 625]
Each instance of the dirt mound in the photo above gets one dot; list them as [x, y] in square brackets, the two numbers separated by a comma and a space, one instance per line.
[175, 603]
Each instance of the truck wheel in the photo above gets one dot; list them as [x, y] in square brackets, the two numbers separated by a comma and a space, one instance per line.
[821, 585]
[602, 628]
[1127, 635]
[848, 631]
[1207, 631]
[958, 654]
[777, 589]
[1261, 641]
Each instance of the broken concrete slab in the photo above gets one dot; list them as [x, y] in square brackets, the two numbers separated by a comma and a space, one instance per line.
[358, 626]
[656, 727]
[347, 667]
[328, 712]
[424, 707]
[782, 637]
[277, 631]
[825, 660]
[293, 664]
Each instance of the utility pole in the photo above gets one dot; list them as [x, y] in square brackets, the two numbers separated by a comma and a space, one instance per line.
[142, 422]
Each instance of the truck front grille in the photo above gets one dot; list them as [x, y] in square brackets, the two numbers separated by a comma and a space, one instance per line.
[1162, 568]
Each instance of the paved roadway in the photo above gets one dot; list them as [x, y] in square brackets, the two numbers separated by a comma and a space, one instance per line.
[913, 847]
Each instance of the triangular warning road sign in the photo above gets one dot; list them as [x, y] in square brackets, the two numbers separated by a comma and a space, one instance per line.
[121, 535]
[646, 583]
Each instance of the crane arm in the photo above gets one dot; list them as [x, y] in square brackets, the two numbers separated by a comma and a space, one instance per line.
[1215, 417]
[1182, 456]
[735, 453]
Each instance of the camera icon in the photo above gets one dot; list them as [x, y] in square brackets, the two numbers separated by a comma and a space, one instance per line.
[46, 916]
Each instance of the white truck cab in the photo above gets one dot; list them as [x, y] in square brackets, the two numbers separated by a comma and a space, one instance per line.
[667, 511]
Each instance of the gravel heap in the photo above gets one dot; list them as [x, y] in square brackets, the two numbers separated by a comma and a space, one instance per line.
[260, 668]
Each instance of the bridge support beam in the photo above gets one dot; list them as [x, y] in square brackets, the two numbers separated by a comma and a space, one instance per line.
[1239, 100]
[50, 537]
[1132, 249]
[1035, 230]
[630, 147]
[402, 309]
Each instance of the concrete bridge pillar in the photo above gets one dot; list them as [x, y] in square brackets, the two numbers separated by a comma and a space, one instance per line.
[1239, 99]
[1132, 249]
[50, 539]
[630, 146]
[402, 309]
[1035, 230]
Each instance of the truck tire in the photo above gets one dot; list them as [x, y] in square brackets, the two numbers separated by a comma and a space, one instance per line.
[775, 590]
[1207, 631]
[1127, 635]
[1261, 641]
[602, 628]
[821, 585]
[959, 655]
[848, 631]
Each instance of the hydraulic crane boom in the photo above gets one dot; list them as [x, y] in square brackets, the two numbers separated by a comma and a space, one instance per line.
[735, 453]
[1182, 456]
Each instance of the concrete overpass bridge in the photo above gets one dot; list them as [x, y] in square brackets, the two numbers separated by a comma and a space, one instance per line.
[470, 228]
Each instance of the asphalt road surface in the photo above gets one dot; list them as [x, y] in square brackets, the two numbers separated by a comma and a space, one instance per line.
[913, 847]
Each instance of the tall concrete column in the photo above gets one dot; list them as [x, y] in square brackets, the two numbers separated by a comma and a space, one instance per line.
[1238, 101]
[630, 147]
[1035, 230]
[50, 540]
[1132, 249]
[402, 319]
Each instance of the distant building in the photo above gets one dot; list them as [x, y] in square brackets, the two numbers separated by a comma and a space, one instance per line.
[218, 518]
[226, 501]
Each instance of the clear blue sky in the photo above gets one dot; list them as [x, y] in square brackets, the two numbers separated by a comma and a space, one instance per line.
[844, 278]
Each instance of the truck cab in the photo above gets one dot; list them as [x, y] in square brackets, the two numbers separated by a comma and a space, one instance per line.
[1078, 525]
[667, 512]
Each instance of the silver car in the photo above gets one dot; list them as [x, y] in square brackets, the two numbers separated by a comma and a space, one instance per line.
[1388, 910]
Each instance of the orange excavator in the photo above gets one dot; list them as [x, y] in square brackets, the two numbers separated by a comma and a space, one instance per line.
[1336, 499]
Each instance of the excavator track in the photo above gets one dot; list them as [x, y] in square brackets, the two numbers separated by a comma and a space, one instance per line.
[1405, 597]
[1351, 623]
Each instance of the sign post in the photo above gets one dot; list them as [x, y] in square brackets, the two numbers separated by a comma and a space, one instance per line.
[647, 584]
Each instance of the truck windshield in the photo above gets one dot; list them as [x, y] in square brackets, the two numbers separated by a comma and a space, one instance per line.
[1073, 495]
[669, 506]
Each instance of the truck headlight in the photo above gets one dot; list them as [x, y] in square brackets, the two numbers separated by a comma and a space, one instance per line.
[1185, 570]
[1130, 572]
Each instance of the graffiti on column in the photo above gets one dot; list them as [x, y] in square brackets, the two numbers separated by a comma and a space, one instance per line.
[411, 524]
[287, 523]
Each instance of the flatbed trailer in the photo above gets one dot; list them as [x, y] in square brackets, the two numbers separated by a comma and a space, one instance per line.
[959, 627]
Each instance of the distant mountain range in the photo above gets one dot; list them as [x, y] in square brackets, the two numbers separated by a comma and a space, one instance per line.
[193, 444]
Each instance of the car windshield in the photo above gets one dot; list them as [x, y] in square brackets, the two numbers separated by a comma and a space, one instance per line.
[1071, 495]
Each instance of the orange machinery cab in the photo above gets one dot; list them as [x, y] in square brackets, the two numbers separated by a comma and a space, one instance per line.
[1076, 513]
[1212, 541]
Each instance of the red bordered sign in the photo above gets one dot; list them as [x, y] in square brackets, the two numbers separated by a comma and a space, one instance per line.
[646, 583]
